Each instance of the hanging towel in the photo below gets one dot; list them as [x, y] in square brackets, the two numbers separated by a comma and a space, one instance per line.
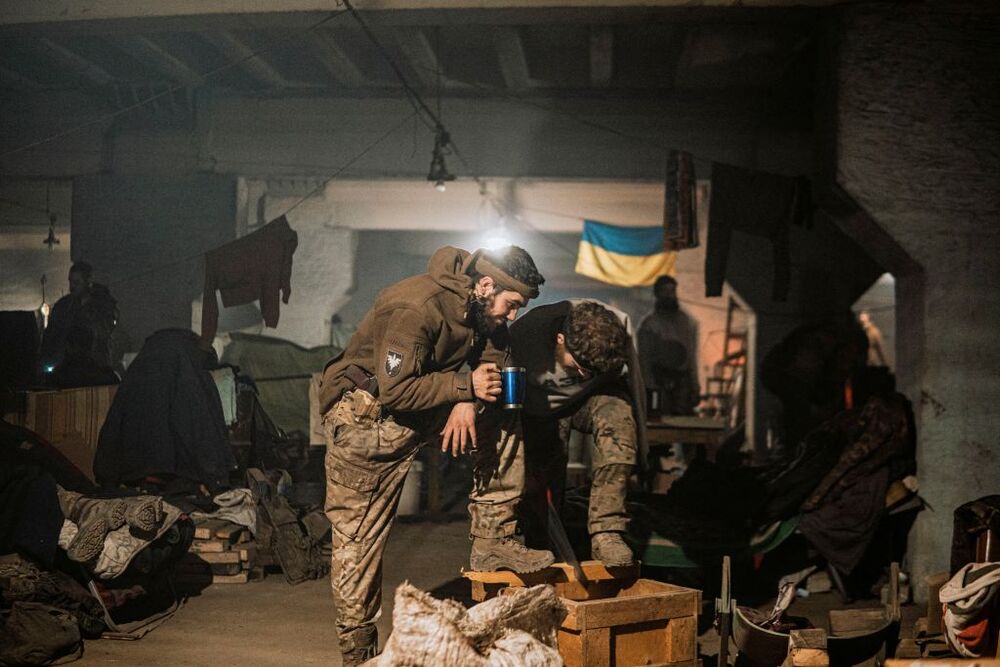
[255, 267]
[680, 223]
[757, 203]
[626, 256]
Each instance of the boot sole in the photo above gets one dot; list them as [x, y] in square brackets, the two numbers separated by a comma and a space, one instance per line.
[491, 566]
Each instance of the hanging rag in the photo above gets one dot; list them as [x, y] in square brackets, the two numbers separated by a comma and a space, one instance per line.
[255, 267]
[756, 203]
[972, 609]
[680, 222]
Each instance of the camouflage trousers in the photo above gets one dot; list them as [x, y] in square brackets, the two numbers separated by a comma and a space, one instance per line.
[367, 459]
[609, 419]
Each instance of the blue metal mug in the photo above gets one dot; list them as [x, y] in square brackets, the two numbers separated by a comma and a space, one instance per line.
[512, 382]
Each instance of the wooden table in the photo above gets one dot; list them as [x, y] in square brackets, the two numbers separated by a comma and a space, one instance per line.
[709, 432]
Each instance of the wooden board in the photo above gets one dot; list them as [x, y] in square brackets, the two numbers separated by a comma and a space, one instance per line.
[646, 623]
[593, 570]
[205, 529]
[643, 601]
[233, 533]
[71, 420]
[848, 622]
[601, 581]
[208, 546]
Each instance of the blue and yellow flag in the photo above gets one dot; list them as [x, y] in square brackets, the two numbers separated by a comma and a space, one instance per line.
[626, 256]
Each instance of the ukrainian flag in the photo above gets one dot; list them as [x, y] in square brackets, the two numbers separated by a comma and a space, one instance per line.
[626, 256]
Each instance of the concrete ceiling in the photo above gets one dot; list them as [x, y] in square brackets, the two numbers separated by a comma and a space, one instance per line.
[122, 52]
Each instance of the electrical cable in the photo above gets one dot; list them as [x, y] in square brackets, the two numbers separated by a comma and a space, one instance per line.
[173, 89]
[415, 99]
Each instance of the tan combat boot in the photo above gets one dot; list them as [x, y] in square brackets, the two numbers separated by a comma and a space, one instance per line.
[610, 549]
[358, 646]
[506, 553]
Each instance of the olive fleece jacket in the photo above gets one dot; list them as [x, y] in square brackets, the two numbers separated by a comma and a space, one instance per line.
[418, 341]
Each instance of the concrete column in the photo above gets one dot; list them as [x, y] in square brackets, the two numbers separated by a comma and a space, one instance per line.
[919, 149]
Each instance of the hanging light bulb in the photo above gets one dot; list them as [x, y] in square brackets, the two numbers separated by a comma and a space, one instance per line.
[51, 239]
[439, 174]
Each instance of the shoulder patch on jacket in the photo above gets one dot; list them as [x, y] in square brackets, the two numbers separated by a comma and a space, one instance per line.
[393, 362]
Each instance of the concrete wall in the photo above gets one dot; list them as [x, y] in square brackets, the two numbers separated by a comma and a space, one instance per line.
[146, 236]
[24, 258]
[919, 148]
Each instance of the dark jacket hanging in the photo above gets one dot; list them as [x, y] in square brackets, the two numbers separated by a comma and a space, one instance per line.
[757, 203]
[255, 267]
[166, 418]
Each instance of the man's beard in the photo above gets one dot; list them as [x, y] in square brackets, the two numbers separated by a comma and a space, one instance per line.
[479, 307]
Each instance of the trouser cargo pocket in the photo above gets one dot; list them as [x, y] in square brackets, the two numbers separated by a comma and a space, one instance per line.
[350, 490]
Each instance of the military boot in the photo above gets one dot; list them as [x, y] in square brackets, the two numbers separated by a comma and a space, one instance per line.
[507, 553]
[359, 646]
[610, 549]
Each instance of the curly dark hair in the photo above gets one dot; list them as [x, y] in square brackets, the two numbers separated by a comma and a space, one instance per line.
[517, 263]
[596, 337]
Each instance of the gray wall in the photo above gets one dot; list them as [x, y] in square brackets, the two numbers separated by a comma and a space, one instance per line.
[145, 236]
[919, 149]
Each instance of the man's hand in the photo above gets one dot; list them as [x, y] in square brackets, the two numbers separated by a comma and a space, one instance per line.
[486, 382]
[460, 429]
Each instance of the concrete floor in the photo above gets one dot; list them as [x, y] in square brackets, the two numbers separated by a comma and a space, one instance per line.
[272, 623]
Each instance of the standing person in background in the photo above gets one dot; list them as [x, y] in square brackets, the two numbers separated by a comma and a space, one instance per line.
[88, 305]
[668, 351]
[402, 381]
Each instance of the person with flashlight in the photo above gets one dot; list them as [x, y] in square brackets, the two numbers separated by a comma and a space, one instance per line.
[404, 379]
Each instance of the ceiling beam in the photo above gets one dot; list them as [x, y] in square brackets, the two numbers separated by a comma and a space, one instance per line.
[415, 45]
[61, 11]
[77, 63]
[513, 61]
[149, 53]
[235, 50]
[602, 55]
[336, 61]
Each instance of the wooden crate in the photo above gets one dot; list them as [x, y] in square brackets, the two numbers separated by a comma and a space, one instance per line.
[69, 419]
[646, 623]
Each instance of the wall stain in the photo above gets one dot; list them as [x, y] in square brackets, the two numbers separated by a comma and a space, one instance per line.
[927, 400]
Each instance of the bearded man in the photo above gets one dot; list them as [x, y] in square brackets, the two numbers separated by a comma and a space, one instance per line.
[426, 355]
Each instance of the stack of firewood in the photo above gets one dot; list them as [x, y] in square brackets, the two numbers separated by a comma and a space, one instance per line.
[221, 553]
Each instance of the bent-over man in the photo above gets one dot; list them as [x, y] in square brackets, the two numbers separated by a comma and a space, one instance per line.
[423, 364]
[575, 355]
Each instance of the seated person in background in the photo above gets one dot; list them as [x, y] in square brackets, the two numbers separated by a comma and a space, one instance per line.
[575, 355]
[78, 368]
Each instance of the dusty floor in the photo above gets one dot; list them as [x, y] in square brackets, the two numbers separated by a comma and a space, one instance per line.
[272, 623]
